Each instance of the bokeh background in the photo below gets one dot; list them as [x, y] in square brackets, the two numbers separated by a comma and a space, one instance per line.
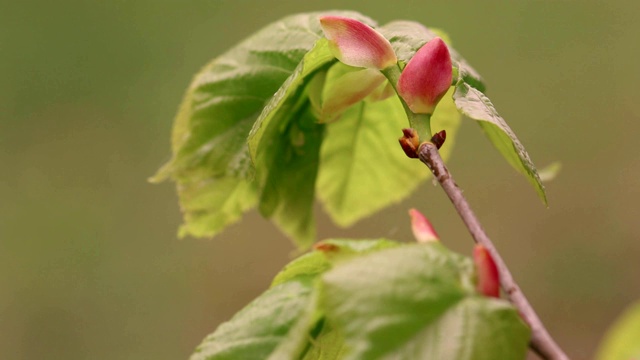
[90, 266]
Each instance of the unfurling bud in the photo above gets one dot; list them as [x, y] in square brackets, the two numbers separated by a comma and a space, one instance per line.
[438, 138]
[345, 86]
[410, 142]
[422, 229]
[427, 77]
[357, 44]
[488, 277]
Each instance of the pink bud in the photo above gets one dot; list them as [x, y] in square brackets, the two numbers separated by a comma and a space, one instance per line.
[488, 277]
[427, 77]
[422, 229]
[357, 44]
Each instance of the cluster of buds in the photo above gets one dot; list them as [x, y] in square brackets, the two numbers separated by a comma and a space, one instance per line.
[424, 80]
[488, 277]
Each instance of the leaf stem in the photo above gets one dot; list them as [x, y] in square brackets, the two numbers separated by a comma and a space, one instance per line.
[541, 341]
[420, 122]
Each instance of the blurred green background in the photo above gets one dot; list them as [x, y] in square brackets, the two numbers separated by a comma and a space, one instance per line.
[90, 267]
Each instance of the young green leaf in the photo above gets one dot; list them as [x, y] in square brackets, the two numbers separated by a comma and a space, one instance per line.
[326, 254]
[210, 205]
[358, 156]
[477, 106]
[275, 322]
[217, 113]
[276, 325]
[345, 86]
[419, 302]
[286, 171]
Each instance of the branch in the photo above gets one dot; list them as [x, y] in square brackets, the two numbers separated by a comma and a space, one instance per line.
[541, 342]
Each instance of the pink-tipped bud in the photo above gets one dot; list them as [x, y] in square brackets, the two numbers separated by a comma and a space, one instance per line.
[410, 141]
[357, 44]
[422, 229]
[488, 277]
[427, 77]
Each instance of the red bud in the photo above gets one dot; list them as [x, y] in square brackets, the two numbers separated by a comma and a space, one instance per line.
[488, 276]
[427, 77]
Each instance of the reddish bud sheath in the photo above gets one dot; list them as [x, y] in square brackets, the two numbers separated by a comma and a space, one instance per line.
[357, 44]
[422, 229]
[488, 277]
[427, 77]
[439, 138]
[410, 142]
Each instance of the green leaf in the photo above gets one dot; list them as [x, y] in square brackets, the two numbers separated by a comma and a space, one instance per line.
[218, 111]
[477, 106]
[284, 144]
[622, 340]
[231, 198]
[419, 302]
[287, 172]
[345, 86]
[327, 253]
[407, 37]
[276, 323]
[308, 265]
[363, 169]
[329, 345]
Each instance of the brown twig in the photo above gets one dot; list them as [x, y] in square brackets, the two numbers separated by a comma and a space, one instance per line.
[541, 342]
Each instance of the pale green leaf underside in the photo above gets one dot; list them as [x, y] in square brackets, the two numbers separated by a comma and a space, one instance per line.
[363, 168]
[418, 302]
[477, 106]
[231, 197]
[622, 341]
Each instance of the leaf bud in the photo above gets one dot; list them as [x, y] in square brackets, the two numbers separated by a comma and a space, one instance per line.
[488, 276]
[427, 77]
[422, 229]
[357, 44]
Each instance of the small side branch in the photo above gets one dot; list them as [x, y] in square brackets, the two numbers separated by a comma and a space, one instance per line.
[541, 342]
